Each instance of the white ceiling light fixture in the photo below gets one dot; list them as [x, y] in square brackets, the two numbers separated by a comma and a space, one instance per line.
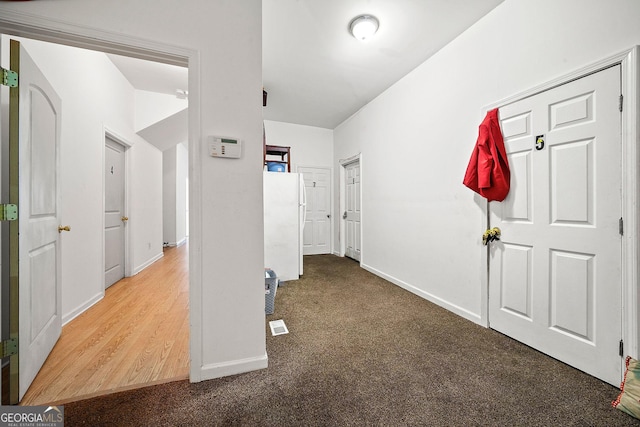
[363, 27]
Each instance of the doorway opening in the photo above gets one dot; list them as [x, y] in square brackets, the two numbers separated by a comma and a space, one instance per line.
[351, 208]
[135, 268]
[115, 210]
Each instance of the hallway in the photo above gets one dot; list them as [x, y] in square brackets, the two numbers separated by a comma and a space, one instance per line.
[137, 335]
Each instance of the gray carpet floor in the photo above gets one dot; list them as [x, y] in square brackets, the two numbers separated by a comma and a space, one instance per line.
[364, 352]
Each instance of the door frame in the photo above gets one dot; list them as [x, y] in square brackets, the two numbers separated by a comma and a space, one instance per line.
[629, 65]
[109, 133]
[33, 27]
[330, 171]
[343, 204]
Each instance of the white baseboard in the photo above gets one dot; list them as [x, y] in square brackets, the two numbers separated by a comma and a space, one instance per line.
[81, 309]
[218, 370]
[176, 244]
[476, 318]
[147, 264]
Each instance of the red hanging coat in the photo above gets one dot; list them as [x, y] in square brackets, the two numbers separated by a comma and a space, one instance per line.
[488, 172]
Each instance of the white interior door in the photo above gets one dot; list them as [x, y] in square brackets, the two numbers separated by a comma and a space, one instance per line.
[317, 227]
[351, 215]
[114, 218]
[40, 290]
[555, 275]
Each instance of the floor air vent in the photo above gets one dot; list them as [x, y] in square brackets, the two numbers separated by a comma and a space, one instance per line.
[278, 327]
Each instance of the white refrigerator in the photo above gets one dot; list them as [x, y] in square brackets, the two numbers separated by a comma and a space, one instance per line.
[284, 210]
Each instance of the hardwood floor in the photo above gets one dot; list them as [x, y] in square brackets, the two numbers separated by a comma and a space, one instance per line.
[136, 336]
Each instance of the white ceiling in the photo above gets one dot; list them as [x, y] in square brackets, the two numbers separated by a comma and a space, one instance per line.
[152, 76]
[314, 71]
[317, 74]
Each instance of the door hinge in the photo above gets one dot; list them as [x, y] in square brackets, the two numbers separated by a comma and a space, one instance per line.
[621, 226]
[620, 102]
[8, 212]
[9, 347]
[621, 348]
[9, 78]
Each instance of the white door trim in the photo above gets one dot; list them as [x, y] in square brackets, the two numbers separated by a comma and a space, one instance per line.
[108, 133]
[629, 61]
[343, 204]
[34, 27]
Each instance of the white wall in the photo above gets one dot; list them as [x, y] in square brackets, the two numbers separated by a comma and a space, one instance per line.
[151, 107]
[145, 204]
[421, 226]
[310, 146]
[226, 249]
[182, 175]
[169, 196]
[96, 96]
[174, 198]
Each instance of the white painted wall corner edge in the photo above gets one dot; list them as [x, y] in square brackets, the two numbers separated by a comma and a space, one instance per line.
[241, 366]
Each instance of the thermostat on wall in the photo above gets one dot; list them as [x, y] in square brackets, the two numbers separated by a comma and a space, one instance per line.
[224, 147]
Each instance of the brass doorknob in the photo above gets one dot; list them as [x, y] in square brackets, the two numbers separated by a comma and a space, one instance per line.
[490, 235]
[125, 218]
[63, 228]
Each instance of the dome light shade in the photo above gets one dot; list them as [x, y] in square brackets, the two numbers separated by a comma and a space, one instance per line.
[363, 27]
